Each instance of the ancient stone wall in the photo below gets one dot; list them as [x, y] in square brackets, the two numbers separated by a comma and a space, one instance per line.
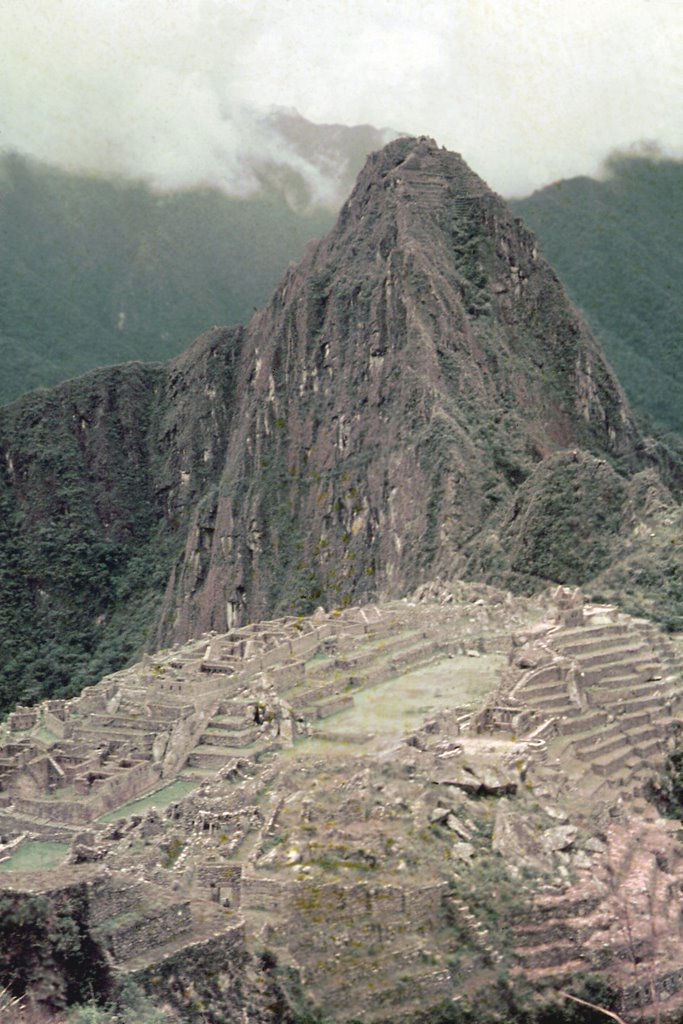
[22, 719]
[57, 726]
[67, 812]
[333, 706]
[422, 905]
[116, 790]
[264, 893]
[111, 895]
[284, 676]
[127, 785]
[139, 931]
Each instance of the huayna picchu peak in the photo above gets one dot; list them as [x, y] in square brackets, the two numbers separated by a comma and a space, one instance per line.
[415, 395]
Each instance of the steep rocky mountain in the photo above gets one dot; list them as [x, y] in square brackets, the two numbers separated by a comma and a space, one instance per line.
[415, 395]
[615, 243]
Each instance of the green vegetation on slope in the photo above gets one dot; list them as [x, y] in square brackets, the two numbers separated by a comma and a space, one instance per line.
[83, 557]
[576, 520]
[95, 272]
[615, 244]
[46, 947]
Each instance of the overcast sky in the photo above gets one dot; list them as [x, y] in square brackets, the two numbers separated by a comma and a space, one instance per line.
[528, 91]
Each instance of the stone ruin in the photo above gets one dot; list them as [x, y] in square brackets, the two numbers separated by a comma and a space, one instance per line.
[389, 873]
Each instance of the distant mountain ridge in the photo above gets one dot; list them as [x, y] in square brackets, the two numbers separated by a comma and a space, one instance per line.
[96, 271]
[418, 398]
[615, 243]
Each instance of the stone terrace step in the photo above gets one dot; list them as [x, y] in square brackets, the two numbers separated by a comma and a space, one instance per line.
[194, 774]
[369, 652]
[530, 935]
[634, 720]
[552, 954]
[146, 928]
[592, 790]
[585, 740]
[560, 907]
[558, 705]
[650, 750]
[629, 652]
[317, 693]
[585, 638]
[650, 702]
[216, 737]
[602, 747]
[588, 721]
[333, 975]
[327, 708]
[207, 923]
[553, 974]
[226, 726]
[402, 661]
[643, 734]
[211, 757]
[406, 1003]
[533, 691]
[236, 723]
[90, 733]
[131, 723]
[607, 764]
[642, 670]
[229, 709]
[625, 688]
[384, 667]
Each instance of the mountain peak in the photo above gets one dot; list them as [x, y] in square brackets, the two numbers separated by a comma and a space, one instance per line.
[407, 376]
[415, 173]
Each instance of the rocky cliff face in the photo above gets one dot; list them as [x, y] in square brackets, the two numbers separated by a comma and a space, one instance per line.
[360, 435]
[403, 381]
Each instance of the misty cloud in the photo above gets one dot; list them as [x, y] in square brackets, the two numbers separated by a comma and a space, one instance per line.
[176, 91]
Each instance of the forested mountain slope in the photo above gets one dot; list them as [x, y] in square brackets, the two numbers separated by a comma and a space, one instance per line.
[616, 244]
[95, 272]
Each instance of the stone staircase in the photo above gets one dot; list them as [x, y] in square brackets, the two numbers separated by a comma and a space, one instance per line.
[480, 933]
